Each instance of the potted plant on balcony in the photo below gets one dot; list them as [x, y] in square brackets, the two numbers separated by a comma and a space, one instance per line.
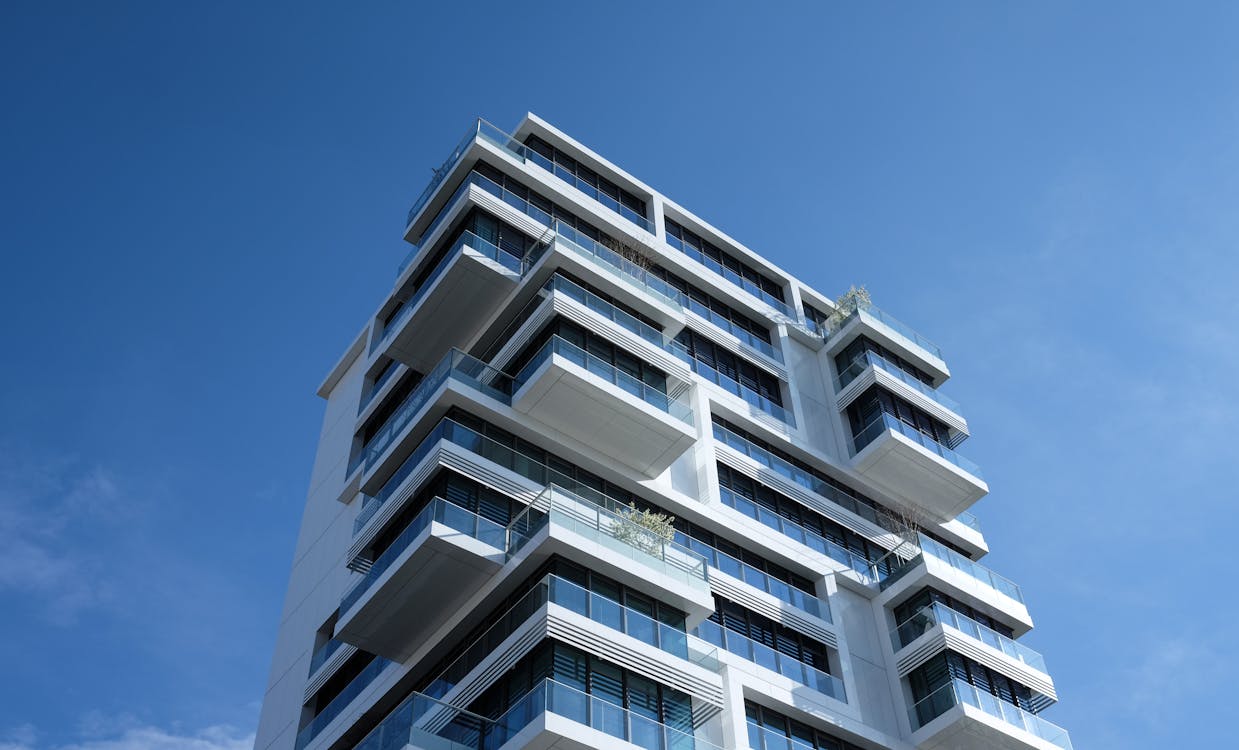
[855, 298]
[645, 530]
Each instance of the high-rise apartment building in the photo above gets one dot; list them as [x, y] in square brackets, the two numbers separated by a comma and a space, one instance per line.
[594, 475]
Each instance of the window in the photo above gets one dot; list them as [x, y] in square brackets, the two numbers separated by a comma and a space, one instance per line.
[587, 180]
[723, 263]
[876, 400]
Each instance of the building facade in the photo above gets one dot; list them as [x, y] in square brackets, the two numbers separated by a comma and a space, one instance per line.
[594, 475]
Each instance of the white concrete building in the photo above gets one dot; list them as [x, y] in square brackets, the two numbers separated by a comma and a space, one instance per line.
[564, 350]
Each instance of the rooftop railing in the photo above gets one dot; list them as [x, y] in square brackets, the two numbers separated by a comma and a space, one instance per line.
[872, 359]
[927, 617]
[957, 692]
[437, 510]
[655, 397]
[885, 421]
[761, 654]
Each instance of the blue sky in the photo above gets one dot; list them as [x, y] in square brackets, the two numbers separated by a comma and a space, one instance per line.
[201, 204]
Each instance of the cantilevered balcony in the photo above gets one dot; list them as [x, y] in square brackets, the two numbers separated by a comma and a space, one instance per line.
[557, 715]
[557, 605]
[598, 404]
[560, 521]
[901, 459]
[881, 326]
[930, 563]
[870, 367]
[455, 366]
[457, 295]
[443, 555]
[937, 628]
[960, 716]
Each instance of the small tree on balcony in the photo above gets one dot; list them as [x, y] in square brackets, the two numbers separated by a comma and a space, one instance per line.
[643, 529]
[639, 257]
[853, 299]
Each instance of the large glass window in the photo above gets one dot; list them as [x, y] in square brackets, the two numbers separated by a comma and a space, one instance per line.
[950, 665]
[927, 596]
[876, 400]
[861, 344]
[737, 369]
[587, 180]
[771, 730]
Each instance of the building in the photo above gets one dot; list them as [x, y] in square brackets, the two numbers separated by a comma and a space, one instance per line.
[566, 359]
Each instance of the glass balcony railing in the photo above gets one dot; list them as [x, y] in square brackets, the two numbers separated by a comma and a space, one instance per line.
[884, 422]
[602, 610]
[609, 311]
[761, 654]
[625, 382]
[750, 396]
[880, 317]
[615, 264]
[735, 278]
[613, 530]
[860, 564]
[959, 693]
[805, 479]
[377, 386]
[935, 613]
[969, 520]
[323, 653]
[974, 569]
[550, 696]
[438, 510]
[341, 701]
[868, 358]
[467, 239]
[747, 338]
[593, 192]
[949, 556]
[455, 365]
[421, 721]
[759, 579]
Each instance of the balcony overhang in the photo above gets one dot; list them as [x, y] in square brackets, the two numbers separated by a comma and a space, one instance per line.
[940, 575]
[898, 465]
[942, 637]
[586, 407]
[460, 301]
[442, 565]
[863, 323]
[606, 555]
[966, 727]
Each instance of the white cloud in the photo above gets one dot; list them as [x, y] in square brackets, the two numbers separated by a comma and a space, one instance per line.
[150, 738]
[154, 738]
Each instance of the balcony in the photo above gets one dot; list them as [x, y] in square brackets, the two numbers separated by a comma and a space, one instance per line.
[937, 627]
[458, 295]
[336, 706]
[608, 541]
[603, 407]
[881, 326]
[870, 368]
[904, 461]
[553, 590]
[443, 555]
[456, 366]
[764, 656]
[958, 716]
[554, 714]
[950, 572]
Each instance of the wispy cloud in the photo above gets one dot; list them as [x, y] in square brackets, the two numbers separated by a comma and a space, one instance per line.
[143, 738]
[42, 507]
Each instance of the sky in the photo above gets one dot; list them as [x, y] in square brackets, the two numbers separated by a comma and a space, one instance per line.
[202, 202]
